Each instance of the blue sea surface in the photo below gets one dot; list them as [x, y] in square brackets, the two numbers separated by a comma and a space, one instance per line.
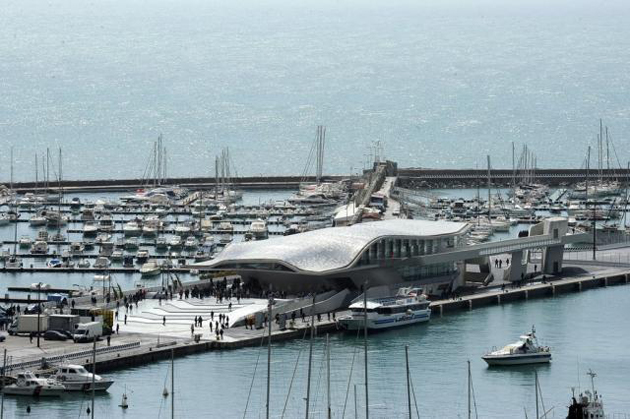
[440, 84]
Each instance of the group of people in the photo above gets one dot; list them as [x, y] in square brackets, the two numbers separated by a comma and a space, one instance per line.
[498, 263]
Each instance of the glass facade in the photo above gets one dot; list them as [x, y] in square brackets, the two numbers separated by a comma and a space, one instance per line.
[399, 248]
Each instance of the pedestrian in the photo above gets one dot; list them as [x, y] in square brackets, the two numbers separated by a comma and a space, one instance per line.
[216, 325]
[210, 324]
[200, 321]
[535, 268]
[507, 262]
[319, 318]
[334, 317]
[227, 321]
[329, 316]
[30, 337]
[221, 332]
[192, 330]
[500, 263]
[496, 263]
[117, 327]
[212, 315]
[109, 338]
[163, 320]
[230, 307]
[71, 303]
[116, 314]
[125, 319]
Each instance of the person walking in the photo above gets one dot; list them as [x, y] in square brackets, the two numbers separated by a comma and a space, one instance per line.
[221, 333]
[125, 319]
[117, 327]
[163, 320]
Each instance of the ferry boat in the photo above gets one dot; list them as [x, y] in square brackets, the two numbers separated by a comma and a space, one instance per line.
[525, 351]
[588, 405]
[408, 306]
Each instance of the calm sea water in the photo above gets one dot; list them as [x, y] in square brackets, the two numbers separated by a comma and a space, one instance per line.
[439, 83]
[585, 330]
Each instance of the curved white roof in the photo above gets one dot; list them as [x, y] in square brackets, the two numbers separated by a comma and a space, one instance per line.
[330, 248]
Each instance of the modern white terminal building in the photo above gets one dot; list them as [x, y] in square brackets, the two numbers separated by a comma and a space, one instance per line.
[384, 253]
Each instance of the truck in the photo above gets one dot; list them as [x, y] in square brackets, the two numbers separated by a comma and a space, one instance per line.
[27, 323]
[87, 332]
[65, 322]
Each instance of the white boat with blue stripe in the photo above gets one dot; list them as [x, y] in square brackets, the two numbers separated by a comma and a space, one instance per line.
[408, 306]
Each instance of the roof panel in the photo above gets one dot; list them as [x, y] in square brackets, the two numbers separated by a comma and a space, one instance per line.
[330, 248]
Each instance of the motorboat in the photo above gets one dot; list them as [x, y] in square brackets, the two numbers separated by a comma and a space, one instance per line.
[588, 404]
[13, 262]
[132, 228]
[27, 384]
[101, 263]
[225, 227]
[142, 256]
[77, 378]
[175, 241]
[525, 351]
[58, 238]
[191, 242]
[149, 230]
[182, 229]
[37, 220]
[106, 223]
[76, 248]
[150, 268]
[161, 243]
[25, 241]
[408, 306]
[116, 256]
[39, 248]
[54, 263]
[259, 230]
[56, 219]
[42, 235]
[90, 229]
[132, 243]
[103, 237]
[83, 263]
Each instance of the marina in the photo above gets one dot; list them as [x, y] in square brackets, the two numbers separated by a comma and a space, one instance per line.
[316, 210]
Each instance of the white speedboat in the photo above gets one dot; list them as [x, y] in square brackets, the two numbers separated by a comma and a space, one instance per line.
[191, 242]
[175, 241]
[142, 256]
[37, 220]
[76, 248]
[13, 262]
[29, 385]
[77, 378]
[408, 306]
[525, 351]
[259, 230]
[90, 229]
[151, 268]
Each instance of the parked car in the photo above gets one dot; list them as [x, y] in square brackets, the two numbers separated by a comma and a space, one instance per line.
[55, 335]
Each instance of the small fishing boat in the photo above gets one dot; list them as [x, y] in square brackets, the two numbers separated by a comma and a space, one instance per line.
[83, 263]
[25, 241]
[39, 248]
[408, 306]
[27, 384]
[142, 256]
[525, 351]
[588, 404]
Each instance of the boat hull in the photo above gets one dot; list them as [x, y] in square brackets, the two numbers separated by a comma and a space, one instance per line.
[524, 359]
[38, 391]
[101, 385]
[386, 322]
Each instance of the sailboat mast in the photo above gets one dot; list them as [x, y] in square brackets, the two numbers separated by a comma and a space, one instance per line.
[310, 359]
[469, 385]
[536, 389]
[328, 377]
[489, 192]
[93, 374]
[269, 355]
[172, 383]
[408, 380]
[365, 347]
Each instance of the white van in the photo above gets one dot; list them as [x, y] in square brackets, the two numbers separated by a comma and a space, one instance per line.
[87, 332]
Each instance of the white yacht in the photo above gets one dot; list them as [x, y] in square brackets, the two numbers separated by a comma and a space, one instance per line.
[191, 242]
[132, 228]
[76, 248]
[37, 220]
[25, 241]
[408, 306]
[90, 229]
[151, 268]
[77, 378]
[14, 262]
[175, 241]
[132, 243]
[259, 230]
[27, 384]
[142, 256]
[40, 247]
[525, 351]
